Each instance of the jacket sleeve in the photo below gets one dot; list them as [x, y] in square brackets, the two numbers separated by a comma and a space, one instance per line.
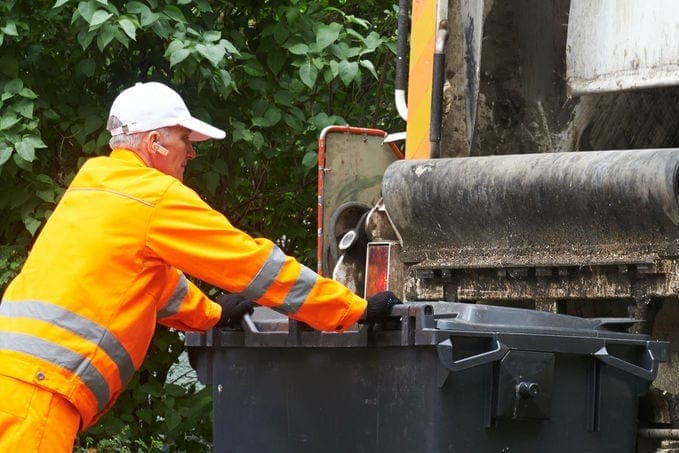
[185, 307]
[186, 233]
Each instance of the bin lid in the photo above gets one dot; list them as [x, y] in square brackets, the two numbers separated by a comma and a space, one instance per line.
[475, 317]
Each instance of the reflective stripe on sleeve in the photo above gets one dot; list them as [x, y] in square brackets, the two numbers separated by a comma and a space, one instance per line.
[61, 356]
[175, 302]
[76, 324]
[299, 292]
[266, 275]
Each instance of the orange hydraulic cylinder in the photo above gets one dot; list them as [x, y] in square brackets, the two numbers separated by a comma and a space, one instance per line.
[422, 40]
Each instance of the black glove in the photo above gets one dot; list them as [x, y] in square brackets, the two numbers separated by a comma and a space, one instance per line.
[379, 306]
[234, 307]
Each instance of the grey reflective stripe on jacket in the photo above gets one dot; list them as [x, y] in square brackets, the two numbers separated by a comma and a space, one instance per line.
[267, 275]
[173, 304]
[61, 356]
[299, 292]
[57, 354]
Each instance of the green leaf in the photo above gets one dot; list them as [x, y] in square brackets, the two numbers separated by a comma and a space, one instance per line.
[271, 117]
[86, 67]
[275, 61]
[31, 225]
[14, 86]
[310, 159]
[122, 38]
[24, 108]
[45, 179]
[28, 93]
[99, 18]
[174, 46]
[355, 34]
[60, 3]
[373, 40]
[86, 10]
[292, 14]
[361, 22]
[26, 151]
[179, 56]
[33, 141]
[136, 7]
[46, 195]
[348, 71]
[148, 17]
[85, 38]
[173, 421]
[128, 27]
[8, 120]
[258, 140]
[10, 29]
[174, 13]
[327, 34]
[334, 67]
[105, 37]
[212, 181]
[253, 68]
[230, 48]
[225, 77]
[280, 33]
[369, 66]
[213, 53]
[283, 98]
[5, 154]
[293, 122]
[308, 74]
[212, 36]
[299, 49]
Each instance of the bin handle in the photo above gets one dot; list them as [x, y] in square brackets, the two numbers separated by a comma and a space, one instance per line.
[645, 373]
[248, 324]
[444, 350]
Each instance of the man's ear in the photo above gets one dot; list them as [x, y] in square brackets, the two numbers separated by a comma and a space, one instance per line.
[149, 139]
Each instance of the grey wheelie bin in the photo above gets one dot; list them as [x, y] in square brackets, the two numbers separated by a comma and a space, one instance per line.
[436, 377]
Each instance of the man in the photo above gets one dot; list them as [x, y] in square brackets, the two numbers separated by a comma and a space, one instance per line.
[76, 323]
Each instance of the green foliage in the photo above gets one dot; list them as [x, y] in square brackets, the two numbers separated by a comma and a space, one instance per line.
[273, 74]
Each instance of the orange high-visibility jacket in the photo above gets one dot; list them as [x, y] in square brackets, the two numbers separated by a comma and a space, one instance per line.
[110, 263]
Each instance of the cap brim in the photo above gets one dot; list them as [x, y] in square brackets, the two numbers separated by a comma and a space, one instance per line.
[201, 130]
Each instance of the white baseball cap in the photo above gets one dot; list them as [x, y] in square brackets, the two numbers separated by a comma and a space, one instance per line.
[152, 105]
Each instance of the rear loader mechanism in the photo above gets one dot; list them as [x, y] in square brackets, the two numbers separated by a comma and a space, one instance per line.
[510, 215]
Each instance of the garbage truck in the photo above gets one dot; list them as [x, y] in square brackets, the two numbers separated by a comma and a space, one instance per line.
[528, 217]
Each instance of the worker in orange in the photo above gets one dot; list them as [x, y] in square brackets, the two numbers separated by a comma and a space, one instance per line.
[112, 261]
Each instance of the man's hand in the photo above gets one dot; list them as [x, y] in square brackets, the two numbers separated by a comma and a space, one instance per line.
[379, 306]
[234, 307]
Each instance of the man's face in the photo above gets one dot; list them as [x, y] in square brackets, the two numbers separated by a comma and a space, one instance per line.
[180, 151]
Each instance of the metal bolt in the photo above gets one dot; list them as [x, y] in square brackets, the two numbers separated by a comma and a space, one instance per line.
[528, 389]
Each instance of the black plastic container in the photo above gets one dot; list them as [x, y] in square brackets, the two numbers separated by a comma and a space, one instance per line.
[437, 377]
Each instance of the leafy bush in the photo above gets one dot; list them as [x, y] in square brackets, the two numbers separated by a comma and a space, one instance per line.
[271, 73]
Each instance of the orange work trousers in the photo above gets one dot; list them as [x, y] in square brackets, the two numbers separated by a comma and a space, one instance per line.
[35, 420]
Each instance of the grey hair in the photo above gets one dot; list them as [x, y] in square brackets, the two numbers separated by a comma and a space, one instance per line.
[128, 141]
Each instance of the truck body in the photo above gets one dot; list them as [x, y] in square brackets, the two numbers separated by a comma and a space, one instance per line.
[539, 170]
